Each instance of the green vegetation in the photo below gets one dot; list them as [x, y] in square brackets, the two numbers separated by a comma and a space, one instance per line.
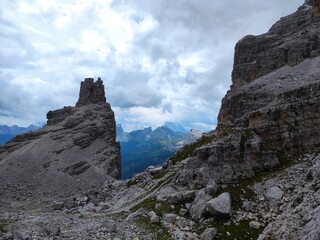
[150, 204]
[132, 182]
[159, 175]
[239, 231]
[189, 149]
[3, 227]
[154, 228]
[243, 189]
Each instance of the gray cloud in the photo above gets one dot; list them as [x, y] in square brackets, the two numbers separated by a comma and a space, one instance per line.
[160, 60]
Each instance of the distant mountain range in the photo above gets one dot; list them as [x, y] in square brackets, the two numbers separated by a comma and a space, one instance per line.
[143, 148]
[139, 149]
[9, 132]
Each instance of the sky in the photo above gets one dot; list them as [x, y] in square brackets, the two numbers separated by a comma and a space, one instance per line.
[160, 60]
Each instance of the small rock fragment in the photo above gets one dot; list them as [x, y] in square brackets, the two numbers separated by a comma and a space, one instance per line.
[255, 225]
[209, 234]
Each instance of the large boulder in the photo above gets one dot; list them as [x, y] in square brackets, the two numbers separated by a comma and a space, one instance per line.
[198, 206]
[220, 206]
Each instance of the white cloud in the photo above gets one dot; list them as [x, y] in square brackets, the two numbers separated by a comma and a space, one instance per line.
[160, 60]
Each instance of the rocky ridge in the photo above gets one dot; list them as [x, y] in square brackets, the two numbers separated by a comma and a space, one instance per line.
[75, 151]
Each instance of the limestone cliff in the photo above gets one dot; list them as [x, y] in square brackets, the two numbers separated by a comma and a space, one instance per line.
[271, 112]
[75, 151]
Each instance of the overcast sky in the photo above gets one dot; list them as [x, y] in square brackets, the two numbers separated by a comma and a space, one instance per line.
[160, 60]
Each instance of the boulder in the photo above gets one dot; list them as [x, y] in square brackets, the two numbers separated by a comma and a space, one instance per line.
[209, 234]
[181, 197]
[255, 225]
[220, 206]
[198, 206]
[211, 187]
[169, 218]
[274, 193]
[57, 205]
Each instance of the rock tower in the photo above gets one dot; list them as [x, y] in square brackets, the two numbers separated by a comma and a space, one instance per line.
[75, 151]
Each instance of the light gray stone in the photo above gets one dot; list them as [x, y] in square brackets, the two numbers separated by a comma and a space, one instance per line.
[211, 187]
[169, 218]
[198, 206]
[247, 205]
[274, 193]
[220, 206]
[255, 225]
[209, 234]
[16, 205]
[139, 212]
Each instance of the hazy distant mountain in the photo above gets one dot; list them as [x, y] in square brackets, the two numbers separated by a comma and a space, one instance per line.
[139, 148]
[9, 132]
[145, 147]
[176, 127]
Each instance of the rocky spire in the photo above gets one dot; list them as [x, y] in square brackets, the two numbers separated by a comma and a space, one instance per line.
[91, 92]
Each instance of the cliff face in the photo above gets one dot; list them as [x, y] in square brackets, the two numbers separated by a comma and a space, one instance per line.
[289, 42]
[75, 151]
[271, 112]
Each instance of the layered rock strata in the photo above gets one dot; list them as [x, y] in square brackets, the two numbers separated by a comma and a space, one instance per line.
[271, 112]
[290, 41]
[75, 151]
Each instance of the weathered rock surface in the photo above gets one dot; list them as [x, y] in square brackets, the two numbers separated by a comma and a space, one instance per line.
[289, 42]
[91, 92]
[209, 234]
[198, 206]
[75, 151]
[274, 193]
[220, 206]
[282, 98]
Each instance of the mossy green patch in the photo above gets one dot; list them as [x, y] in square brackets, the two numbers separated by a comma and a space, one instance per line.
[132, 182]
[243, 189]
[2, 228]
[159, 175]
[150, 205]
[239, 230]
[187, 150]
[155, 228]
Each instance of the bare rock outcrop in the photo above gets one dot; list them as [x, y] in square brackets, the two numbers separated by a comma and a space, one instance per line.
[290, 41]
[91, 92]
[268, 117]
[75, 151]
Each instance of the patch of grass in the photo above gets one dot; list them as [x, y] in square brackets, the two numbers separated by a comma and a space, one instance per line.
[239, 192]
[243, 189]
[150, 205]
[285, 161]
[3, 227]
[239, 231]
[154, 228]
[132, 182]
[187, 150]
[159, 175]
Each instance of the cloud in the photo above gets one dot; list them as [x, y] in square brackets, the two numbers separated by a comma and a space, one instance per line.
[160, 60]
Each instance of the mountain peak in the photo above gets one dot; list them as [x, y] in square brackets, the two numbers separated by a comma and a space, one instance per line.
[91, 92]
